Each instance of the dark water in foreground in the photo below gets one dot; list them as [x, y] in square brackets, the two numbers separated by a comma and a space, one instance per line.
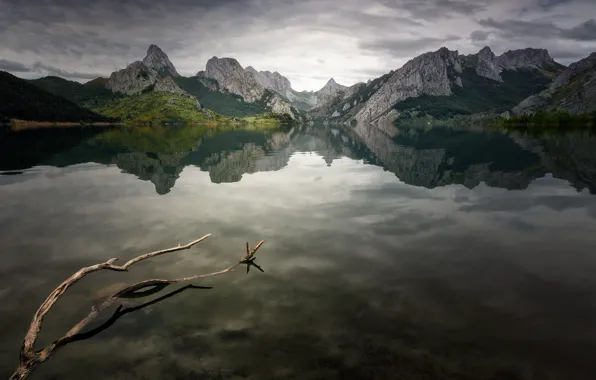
[395, 254]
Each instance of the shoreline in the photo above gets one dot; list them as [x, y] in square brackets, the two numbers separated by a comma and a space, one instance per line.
[18, 124]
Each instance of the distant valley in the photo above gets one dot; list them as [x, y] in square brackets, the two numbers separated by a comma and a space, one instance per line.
[436, 85]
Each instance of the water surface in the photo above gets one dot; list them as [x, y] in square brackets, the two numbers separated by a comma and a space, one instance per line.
[390, 253]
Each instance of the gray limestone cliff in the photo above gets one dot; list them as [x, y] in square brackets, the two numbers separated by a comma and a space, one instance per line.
[330, 91]
[574, 91]
[168, 84]
[433, 73]
[133, 79]
[273, 81]
[437, 73]
[158, 61]
[251, 85]
[487, 65]
[526, 58]
[233, 78]
[139, 76]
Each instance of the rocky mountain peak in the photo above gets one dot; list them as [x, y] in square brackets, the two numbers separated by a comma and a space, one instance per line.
[433, 73]
[157, 60]
[272, 80]
[331, 90]
[488, 65]
[584, 65]
[486, 52]
[574, 90]
[233, 78]
[526, 58]
[331, 87]
[133, 79]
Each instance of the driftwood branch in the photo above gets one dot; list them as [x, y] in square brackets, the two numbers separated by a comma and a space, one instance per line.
[31, 358]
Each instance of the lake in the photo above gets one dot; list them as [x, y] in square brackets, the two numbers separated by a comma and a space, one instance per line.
[390, 252]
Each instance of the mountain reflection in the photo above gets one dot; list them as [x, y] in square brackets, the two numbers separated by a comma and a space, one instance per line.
[428, 157]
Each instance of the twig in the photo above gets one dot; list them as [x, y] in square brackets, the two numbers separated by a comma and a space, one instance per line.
[30, 358]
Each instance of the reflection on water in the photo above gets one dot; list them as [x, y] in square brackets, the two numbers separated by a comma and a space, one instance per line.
[420, 157]
[416, 253]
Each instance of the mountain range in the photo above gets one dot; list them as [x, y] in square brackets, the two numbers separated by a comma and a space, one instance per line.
[440, 84]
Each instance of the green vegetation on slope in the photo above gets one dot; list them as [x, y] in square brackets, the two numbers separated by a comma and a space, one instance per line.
[553, 119]
[223, 103]
[159, 107]
[477, 95]
[89, 95]
[269, 118]
[165, 107]
[19, 99]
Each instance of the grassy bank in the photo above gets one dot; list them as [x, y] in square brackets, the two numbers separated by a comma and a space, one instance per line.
[549, 120]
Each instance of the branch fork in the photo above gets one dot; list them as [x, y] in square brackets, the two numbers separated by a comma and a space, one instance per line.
[30, 358]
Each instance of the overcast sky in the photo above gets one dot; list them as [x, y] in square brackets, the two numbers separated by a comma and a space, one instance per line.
[309, 41]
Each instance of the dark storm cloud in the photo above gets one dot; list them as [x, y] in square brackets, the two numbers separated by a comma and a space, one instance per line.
[586, 31]
[479, 35]
[308, 40]
[521, 28]
[548, 4]
[583, 32]
[407, 46]
[14, 67]
[432, 9]
[51, 70]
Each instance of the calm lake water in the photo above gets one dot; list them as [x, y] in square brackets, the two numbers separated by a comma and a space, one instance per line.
[390, 253]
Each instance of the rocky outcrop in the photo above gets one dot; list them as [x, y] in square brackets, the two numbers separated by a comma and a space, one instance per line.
[487, 65]
[139, 76]
[437, 73]
[135, 78]
[526, 58]
[574, 91]
[168, 84]
[329, 92]
[433, 73]
[273, 81]
[278, 105]
[346, 106]
[251, 85]
[233, 78]
[158, 61]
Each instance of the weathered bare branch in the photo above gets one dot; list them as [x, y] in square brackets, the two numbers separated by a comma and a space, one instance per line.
[30, 358]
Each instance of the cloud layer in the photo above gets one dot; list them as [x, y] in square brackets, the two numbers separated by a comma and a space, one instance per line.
[308, 41]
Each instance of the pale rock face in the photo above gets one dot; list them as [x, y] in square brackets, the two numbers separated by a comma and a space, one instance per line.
[133, 79]
[353, 90]
[273, 81]
[138, 76]
[167, 84]
[329, 92]
[575, 90]
[488, 65]
[158, 61]
[431, 73]
[233, 78]
[279, 106]
[247, 83]
[525, 58]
